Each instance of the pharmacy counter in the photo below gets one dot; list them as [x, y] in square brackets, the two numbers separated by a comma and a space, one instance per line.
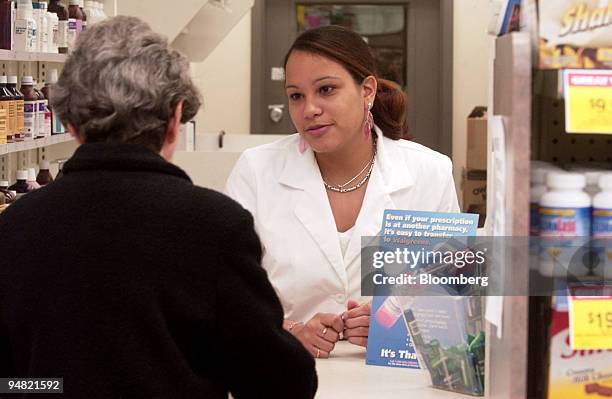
[346, 376]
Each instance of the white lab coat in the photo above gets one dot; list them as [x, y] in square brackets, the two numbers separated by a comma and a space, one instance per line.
[284, 191]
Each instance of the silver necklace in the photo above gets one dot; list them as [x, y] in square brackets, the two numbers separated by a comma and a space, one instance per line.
[341, 188]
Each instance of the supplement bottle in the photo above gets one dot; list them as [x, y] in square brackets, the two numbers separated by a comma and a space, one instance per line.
[56, 125]
[19, 108]
[565, 226]
[6, 25]
[43, 120]
[26, 29]
[7, 112]
[53, 32]
[537, 189]
[75, 21]
[602, 227]
[30, 108]
[21, 187]
[81, 5]
[32, 183]
[62, 25]
[44, 176]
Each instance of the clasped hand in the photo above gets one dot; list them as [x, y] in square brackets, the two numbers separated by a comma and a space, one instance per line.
[320, 334]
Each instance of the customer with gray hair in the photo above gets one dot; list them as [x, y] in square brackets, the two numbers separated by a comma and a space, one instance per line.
[122, 277]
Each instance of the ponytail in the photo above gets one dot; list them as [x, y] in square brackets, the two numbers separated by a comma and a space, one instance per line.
[389, 110]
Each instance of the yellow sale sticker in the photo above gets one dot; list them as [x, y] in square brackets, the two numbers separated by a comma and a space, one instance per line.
[588, 101]
[590, 318]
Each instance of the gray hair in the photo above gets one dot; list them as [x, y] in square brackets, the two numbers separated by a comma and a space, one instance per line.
[123, 83]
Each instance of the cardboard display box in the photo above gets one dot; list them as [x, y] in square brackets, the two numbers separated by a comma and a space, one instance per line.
[477, 139]
[474, 189]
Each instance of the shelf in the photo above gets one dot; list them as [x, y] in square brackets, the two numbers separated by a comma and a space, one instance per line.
[6, 55]
[33, 144]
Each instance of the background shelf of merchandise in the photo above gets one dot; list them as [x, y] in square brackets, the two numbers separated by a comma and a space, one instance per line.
[34, 144]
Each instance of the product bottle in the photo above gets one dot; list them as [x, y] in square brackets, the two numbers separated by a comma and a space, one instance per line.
[75, 22]
[41, 110]
[592, 180]
[9, 196]
[60, 168]
[32, 183]
[84, 26]
[21, 187]
[43, 27]
[6, 25]
[19, 109]
[90, 11]
[565, 226]
[7, 112]
[602, 227]
[26, 29]
[44, 176]
[100, 7]
[53, 32]
[62, 25]
[30, 108]
[56, 125]
[537, 189]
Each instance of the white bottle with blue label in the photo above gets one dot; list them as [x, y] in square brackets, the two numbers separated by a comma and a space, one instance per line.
[565, 226]
[602, 227]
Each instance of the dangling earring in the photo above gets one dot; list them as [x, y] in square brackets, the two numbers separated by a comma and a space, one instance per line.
[368, 123]
[302, 145]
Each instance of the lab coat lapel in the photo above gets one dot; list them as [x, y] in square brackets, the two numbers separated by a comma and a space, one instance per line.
[312, 206]
[390, 174]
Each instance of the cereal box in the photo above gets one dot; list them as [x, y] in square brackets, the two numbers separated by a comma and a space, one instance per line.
[575, 34]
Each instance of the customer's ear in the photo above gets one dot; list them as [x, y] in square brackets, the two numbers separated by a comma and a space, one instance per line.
[174, 124]
[74, 133]
[172, 132]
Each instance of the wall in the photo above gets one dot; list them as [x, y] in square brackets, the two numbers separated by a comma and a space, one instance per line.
[472, 51]
[225, 81]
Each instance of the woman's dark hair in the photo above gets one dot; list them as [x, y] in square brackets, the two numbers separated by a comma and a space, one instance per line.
[349, 50]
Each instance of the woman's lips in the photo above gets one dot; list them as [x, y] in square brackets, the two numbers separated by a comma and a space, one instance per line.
[317, 130]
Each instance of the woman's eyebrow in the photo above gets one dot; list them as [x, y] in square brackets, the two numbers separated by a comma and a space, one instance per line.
[314, 81]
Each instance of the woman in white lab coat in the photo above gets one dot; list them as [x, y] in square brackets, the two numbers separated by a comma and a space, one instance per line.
[314, 194]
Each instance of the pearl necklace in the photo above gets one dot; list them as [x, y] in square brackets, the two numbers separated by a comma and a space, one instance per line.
[340, 188]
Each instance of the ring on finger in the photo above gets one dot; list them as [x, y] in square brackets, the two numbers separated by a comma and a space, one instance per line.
[324, 331]
[318, 352]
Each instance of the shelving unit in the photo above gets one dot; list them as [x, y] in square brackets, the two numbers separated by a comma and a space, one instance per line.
[22, 56]
[531, 106]
[34, 144]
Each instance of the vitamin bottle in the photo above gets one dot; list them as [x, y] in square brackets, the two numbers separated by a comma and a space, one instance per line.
[6, 25]
[7, 112]
[26, 29]
[44, 176]
[21, 187]
[565, 225]
[75, 21]
[602, 227]
[19, 109]
[62, 25]
[30, 108]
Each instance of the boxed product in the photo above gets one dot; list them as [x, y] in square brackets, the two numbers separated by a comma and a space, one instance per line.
[575, 34]
[448, 334]
[474, 188]
[576, 374]
[477, 139]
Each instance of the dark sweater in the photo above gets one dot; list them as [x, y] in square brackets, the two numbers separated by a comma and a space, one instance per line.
[128, 281]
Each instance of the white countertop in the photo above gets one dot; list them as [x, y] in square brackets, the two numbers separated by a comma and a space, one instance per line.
[345, 375]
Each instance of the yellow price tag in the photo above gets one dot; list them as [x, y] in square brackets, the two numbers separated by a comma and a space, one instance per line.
[588, 101]
[590, 319]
